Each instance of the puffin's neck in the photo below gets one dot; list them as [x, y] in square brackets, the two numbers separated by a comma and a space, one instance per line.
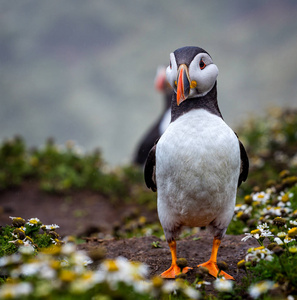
[208, 102]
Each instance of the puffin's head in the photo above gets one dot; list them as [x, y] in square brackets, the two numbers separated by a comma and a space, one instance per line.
[191, 73]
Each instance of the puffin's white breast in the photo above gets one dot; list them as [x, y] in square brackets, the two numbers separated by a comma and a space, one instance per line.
[197, 170]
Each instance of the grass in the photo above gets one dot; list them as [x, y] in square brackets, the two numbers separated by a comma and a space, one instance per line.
[37, 264]
[31, 233]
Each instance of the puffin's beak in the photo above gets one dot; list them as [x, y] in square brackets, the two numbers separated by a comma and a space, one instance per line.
[183, 84]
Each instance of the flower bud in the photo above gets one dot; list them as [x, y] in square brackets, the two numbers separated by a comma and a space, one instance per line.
[97, 254]
[241, 264]
[278, 250]
[278, 221]
[222, 265]
[293, 249]
[292, 232]
[202, 272]
[181, 276]
[248, 199]
[271, 246]
[182, 263]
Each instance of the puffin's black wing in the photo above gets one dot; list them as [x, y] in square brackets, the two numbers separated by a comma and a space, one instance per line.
[244, 168]
[150, 169]
[146, 144]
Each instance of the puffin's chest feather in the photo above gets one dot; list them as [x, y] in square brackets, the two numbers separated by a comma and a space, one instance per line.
[197, 140]
[197, 168]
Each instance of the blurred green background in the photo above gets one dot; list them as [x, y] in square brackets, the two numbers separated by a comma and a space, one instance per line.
[84, 70]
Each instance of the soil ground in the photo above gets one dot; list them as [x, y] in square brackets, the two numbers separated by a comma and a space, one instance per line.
[90, 215]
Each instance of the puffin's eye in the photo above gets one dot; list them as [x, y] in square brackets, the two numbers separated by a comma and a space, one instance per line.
[202, 64]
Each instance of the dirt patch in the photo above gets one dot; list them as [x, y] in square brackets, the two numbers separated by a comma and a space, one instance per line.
[196, 249]
[83, 213]
[78, 213]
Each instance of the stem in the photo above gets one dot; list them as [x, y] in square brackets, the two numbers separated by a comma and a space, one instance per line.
[283, 267]
[218, 273]
[247, 276]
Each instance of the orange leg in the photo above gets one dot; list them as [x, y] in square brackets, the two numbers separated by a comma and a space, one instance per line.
[211, 265]
[174, 269]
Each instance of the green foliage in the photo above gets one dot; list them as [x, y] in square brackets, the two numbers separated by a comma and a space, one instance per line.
[63, 169]
[6, 248]
[34, 275]
[264, 206]
[13, 166]
[270, 142]
[32, 234]
[156, 244]
[282, 269]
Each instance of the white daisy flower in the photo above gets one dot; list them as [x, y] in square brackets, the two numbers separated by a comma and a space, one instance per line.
[10, 260]
[223, 285]
[294, 223]
[260, 232]
[191, 293]
[27, 249]
[51, 227]
[259, 288]
[33, 222]
[13, 291]
[257, 254]
[278, 241]
[285, 197]
[261, 197]
[281, 234]
[274, 211]
[288, 240]
[199, 284]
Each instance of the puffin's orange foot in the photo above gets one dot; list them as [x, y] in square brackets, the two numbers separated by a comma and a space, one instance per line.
[214, 270]
[174, 271]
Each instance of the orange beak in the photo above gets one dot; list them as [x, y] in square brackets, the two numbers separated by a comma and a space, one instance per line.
[183, 84]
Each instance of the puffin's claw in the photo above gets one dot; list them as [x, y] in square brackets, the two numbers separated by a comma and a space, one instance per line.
[214, 270]
[173, 271]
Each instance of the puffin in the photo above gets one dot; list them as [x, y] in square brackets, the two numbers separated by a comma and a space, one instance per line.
[161, 85]
[198, 163]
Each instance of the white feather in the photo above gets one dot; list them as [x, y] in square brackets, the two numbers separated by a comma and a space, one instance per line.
[165, 121]
[197, 170]
[205, 78]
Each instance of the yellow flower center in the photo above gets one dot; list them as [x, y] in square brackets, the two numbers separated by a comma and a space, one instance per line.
[292, 232]
[239, 214]
[55, 264]
[157, 281]
[87, 275]
[241, 264]
[53, 250]
[285, 198]
[142, 220]
[111, 266]
[67, 275]
[256, 231]
[260, 248]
